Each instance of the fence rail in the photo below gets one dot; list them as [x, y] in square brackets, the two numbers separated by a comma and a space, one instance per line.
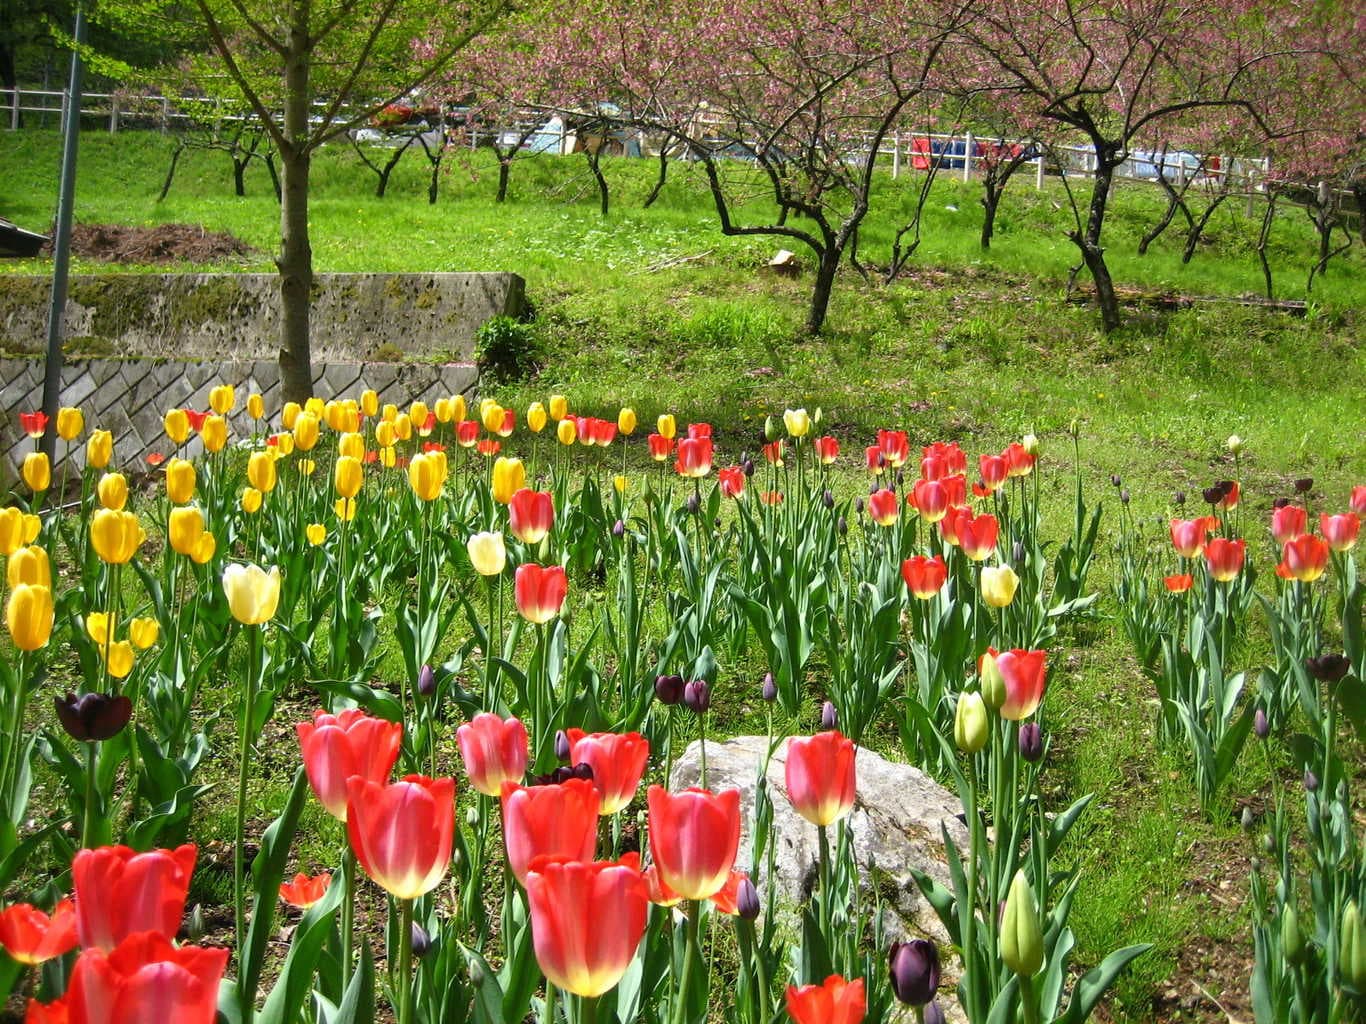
[963, 154]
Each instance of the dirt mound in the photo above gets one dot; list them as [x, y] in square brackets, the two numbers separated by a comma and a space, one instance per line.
[165, 243]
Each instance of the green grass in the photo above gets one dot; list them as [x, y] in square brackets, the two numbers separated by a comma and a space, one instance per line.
[973, 346]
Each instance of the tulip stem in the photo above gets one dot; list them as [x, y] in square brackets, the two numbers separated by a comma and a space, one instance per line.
[403, 978]
[239, 852]
[549, 1017]
[1029, 1001]
[588, 1010]
[88, 823]
[694, 914]
[348, 910]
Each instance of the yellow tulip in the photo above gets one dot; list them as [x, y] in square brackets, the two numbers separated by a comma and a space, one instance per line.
[970, 725]
[418, 413]
[97, 625]
[998, 585]
[332, 413]
[177, 424]
[509, 477]
[316, 533]
[144, 633]
[665, 426]
[113, 491]
[222, 398]
[403, 427]
[566, 431]
[369, 402]
[28, 614]
[118, 658]
[203, 551]
[99, 449]
[30, 565]
[180, 480]
[251, 501]
[315, 407]
[37, 471]
[491, 413]
[348, 475]
[351, 445]
[348, 420]
[443, 410]
[115, 536]
[345, 509]
[458, 411]
[621, 483]
[253, 593]
[535, 417]
[559, 407]
[426, 475]
[261, 472]
[214, 433]
[256, 406]
[387, 458]
[797, 422]
[307, 466]
[184, 528]
[488, 553]
[289, 415]
[389, 413]
[284, 444]
[385, 436]
[70, 423]
[626, 421]
[11, 530]
[305, 432]
[32, 527]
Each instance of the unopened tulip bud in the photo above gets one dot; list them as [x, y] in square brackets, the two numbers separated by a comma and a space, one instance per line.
[828, 498]
[1352, 948]
[829, 716]
[1021, 934]
[970, 727]
[1179, 498]
[770, 429]
[748, 466]
[422, 942]
[1249, 821]
[197, 927]
[934, 1015]
[1269, 843]
[1292, 939]
[1261, 725]
[747, 899]
[914, 971]
[1030, 444]
[1234, 443]
[618, 529]
[1311, 781]
[770, 688]
[669, 689]
[697, 696]
[561, 745]
[1280, 503]
[842, 526]
[1124, 496]
[1031, 742]
[858, 505]
[993, 683]
[1115, 481]
[693, 504]
[426, 681]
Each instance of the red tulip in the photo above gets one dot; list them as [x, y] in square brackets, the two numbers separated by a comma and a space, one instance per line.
[977, 535]
[32, 937]
[1305, 557]
[467, 433]
[336, 747]
[957, 488]
[948, 526]
[1025, 676]
[661, 447]
[882, 507]
[402, 833]
[1340, 531]
[699, 431]
[1230, 499]
[993, 469]
[34, 424]
[930, 498]
[196, 419]
[894, 447]
[1357, 503]
[1287, 523]
[495, 751]
[944, 459]
[144, 980]
[487, 446]
[530, 515]
[694, 456]
[549, 821]
[587, 920]
[836, 1002]
[540, 591]
[1188, 536]
[694, 836]
[303, 892]
[1225, 558]
[827, 449]
[1018, 461]
[508, 425]
[1179, 583]
[120, 892]
[617, 760]
[773, 452]
[732, 480]
[924, 576]
[820, 776]
[875, 461]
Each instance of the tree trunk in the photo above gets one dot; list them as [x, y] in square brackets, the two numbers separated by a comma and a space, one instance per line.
[594, 163]
[504, 169]
[826, 266]
[1088, 241]
[170, 171]
[991, 199]
[296, 254]
[663, 173]
[239, 172]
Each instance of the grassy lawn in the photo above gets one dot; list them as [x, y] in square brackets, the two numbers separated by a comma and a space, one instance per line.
[655, 308]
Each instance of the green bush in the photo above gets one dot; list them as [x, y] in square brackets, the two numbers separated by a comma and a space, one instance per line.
[508, 350]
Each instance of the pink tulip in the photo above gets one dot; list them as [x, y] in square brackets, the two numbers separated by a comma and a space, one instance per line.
[495, 751]
[820, 776]
[336, 747]
[402, 833]
[120, 892]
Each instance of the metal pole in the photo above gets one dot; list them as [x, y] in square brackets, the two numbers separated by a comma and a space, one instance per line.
[61, 246]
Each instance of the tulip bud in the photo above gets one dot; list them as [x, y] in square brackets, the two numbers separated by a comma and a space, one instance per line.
[1179, 498]
[829, 717]
[1031, 742]
[770, 688]
[914, 970]
[842, 526]
[1234, 443]
[828, 498]
[747, 899]
[626, 421]
[422, 942]
[1280, 503]
[197, 927]
[697, 696]
[1293, 947]
[993, 684]
[1030, 444]
[970, 727]
[1248, 821]
[934, 1015]
[669, 689]
[770, 430]
[113, 491]
[618, 529]
[426, 681]
[1115, 481]
[1021, 935]
[693, 504]
[1311, 781]
[1352, 948]
[562, 749]
[37, 471]
[1261, 725]
[29, 616]
[1124, 496]
[180, 480]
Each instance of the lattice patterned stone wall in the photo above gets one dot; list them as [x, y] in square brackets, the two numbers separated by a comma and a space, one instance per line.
[129, 397]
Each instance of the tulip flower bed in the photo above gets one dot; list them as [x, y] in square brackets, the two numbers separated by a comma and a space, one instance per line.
[505, 628]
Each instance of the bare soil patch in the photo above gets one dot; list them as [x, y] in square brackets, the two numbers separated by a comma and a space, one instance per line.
[164, 243]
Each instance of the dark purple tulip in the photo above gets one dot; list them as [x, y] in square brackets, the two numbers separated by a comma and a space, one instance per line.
[1179, 497]
[829, 716]
[1311, 781]
[828, 498]
[842, 526]
[697, 696]
[426, 681]
[1213, 495]
[1261, 725]
[1304, 485]
[1280, 503]
[1124, 496]
[694, 503]
[561, 745]
[93, 716]
[878, 485]
[914, 970]
[669, 689]
[748, 466]
[747, 899]
[1227, 486]
[563, 774]
[1115, 480]
[422, 942]
[770, 688]
[618, 529]
[1328, 668]
[1031, 742]
[933, 1014]
[858, 505]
